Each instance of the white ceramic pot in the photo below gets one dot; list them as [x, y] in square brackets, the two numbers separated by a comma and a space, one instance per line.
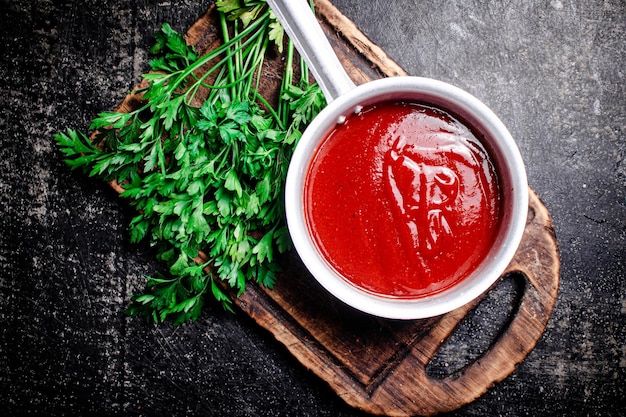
[345, 99]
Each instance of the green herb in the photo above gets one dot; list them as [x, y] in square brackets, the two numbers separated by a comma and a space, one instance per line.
[203, 160]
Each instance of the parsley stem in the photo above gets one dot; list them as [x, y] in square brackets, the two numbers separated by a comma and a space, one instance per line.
[233, 61]
[229, 61]
[269, 107]
[251, 29]
[286, 82]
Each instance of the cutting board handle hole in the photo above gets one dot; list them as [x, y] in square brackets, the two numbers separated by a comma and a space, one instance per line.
[480, 328]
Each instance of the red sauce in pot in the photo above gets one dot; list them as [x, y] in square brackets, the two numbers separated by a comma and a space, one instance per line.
[402, 200]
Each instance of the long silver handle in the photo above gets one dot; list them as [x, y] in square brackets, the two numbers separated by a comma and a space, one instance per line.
[309, 39]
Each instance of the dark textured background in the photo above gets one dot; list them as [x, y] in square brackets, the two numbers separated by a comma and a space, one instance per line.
[554, 71]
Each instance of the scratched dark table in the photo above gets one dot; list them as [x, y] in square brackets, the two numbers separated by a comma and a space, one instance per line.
[553, 70]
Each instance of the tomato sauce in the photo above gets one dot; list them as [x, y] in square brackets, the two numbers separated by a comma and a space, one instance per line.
[402, 200]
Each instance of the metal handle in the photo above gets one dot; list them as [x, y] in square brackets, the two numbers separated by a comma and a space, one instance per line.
[309, 39]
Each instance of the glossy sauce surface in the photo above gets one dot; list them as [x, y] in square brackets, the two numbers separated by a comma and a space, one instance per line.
[402, 200]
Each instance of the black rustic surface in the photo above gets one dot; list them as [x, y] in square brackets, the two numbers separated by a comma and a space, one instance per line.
[553, 70]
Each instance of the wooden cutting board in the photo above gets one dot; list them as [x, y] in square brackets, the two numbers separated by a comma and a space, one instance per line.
[374, 364]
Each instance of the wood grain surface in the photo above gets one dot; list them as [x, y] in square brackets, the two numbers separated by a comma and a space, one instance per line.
[377, 365]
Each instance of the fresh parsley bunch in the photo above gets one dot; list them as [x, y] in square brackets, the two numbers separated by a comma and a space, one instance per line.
[203, 159]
